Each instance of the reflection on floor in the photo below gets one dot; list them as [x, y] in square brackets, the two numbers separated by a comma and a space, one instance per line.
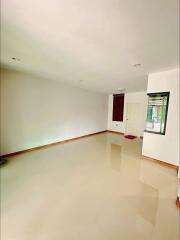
[97, 188]
[116, 156]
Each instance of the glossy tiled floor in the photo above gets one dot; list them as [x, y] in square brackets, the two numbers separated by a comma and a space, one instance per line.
[97, 188]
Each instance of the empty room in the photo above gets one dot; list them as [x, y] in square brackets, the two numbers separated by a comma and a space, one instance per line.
[89, 120]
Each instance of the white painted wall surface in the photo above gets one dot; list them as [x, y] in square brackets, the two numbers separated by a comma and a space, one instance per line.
[36, 111]
[135, 97]
[165, 147]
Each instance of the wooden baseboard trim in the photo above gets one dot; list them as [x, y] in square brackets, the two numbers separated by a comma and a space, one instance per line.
[50, 144]
[178, 202]
[119, 133]
[160, 162]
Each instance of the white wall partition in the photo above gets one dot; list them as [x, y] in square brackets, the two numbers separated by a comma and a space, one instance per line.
[165, 147]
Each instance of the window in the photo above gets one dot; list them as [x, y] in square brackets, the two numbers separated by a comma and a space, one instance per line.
[118, 107]
[157, 112]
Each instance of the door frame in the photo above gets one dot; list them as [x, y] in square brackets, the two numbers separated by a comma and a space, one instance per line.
[126, 116]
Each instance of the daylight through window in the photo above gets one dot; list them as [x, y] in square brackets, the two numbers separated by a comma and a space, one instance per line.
[157, 112]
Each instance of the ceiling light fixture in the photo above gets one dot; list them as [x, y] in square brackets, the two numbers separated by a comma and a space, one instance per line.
[16, 59]
[137, 65]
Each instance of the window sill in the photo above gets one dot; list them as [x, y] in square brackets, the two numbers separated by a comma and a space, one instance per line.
[154, 132]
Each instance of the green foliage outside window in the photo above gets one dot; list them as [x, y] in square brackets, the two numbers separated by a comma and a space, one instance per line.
[157, 112]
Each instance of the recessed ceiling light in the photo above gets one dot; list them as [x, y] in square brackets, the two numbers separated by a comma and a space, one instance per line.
[137, 65]
[16, 59]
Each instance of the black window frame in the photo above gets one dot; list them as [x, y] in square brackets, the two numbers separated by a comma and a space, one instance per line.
[167, 106]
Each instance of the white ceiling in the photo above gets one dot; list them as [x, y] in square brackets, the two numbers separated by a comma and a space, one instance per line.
[91, 43]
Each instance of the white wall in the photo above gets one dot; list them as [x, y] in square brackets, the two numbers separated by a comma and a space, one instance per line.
[35, 111]
[179, 178]
[136, 97]
[165, 147]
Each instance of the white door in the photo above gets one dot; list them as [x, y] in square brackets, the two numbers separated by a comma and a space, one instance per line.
[133, 119]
